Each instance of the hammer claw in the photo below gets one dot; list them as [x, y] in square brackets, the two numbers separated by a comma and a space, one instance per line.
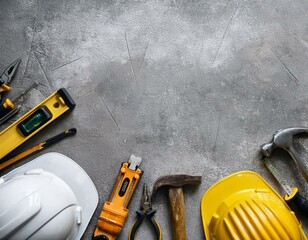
[175, 181]
[283, 139]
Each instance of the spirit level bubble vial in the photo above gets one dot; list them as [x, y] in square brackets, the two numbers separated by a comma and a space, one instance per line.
[35, 120]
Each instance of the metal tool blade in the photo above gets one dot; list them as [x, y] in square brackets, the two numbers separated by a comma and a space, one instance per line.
[134, 162]
[286, 187]
[9, 71]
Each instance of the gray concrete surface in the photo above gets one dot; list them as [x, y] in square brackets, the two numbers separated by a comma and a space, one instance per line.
[190, 86]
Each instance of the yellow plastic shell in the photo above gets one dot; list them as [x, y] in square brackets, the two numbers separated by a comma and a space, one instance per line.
[244, 206]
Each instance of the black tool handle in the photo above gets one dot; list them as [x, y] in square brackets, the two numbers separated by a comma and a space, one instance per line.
[3, 89]
[133, 230]
[301, 202]
[154, 223]
[100, 237]
[5, 109]
[59, 137]
[9, 115]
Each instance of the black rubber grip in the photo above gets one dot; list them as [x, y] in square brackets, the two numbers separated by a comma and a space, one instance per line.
[100, 237]
[154, 224]
[140, 217]
[4, 110]
[150, 216]
[67, 98]
[9, 115]
[301, 202]
[59, 137]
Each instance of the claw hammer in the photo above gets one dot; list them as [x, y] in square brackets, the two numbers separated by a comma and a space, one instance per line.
[175, 185]
[283, 139]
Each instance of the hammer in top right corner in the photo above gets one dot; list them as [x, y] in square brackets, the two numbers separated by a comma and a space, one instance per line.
[283, 139]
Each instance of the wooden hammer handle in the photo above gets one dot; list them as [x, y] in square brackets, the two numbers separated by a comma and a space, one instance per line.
[176, 200]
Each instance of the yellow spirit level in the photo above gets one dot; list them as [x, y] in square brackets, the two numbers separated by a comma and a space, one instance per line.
[35, 120]
[114, 212]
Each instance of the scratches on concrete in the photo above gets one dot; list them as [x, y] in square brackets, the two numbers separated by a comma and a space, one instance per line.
[27, 63]
[65, 64]
[145, 52]
[98, 51]
[224, 35]
[217, 133]
[45, 74]
[32, 39]
[285, 67]
[30, 50]
[41, 53]
[113, 119]
[37, 89]
[130, 58]
[300, 40]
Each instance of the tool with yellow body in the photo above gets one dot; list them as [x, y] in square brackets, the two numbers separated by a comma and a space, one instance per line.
[7, 106]
[114, 212]
[39, 147]
[244, 206]
[35, 120]
[6, 77]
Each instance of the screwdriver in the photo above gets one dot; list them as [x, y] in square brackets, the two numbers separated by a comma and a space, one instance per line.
[8, 105]
[39, 147]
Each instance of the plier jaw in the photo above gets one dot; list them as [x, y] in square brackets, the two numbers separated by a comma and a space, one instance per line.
[9, 72]
[7, 76]
[145, 204]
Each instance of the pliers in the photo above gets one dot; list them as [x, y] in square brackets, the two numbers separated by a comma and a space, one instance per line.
[7, 108]
[145, 211]
[6, 77]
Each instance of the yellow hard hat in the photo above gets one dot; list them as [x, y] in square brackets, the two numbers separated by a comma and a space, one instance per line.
[244, 206]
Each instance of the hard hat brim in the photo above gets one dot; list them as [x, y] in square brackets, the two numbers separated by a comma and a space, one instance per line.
[70, 172]
[242, 183]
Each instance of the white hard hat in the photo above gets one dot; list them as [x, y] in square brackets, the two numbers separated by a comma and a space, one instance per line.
[50, 197]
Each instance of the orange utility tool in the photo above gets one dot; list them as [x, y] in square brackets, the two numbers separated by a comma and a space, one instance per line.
[114, 212]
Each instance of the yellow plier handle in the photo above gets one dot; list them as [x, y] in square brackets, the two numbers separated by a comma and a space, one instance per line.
[150, 216]
[4, 88]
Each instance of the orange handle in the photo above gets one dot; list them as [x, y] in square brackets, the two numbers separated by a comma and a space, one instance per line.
[114, 212]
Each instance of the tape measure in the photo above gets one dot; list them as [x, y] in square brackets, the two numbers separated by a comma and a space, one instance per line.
[35, 120]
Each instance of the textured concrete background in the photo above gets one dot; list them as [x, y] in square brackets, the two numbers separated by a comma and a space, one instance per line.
[190, 86]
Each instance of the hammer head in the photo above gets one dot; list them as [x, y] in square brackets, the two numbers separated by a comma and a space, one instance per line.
[178, 180]
[283, 138]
